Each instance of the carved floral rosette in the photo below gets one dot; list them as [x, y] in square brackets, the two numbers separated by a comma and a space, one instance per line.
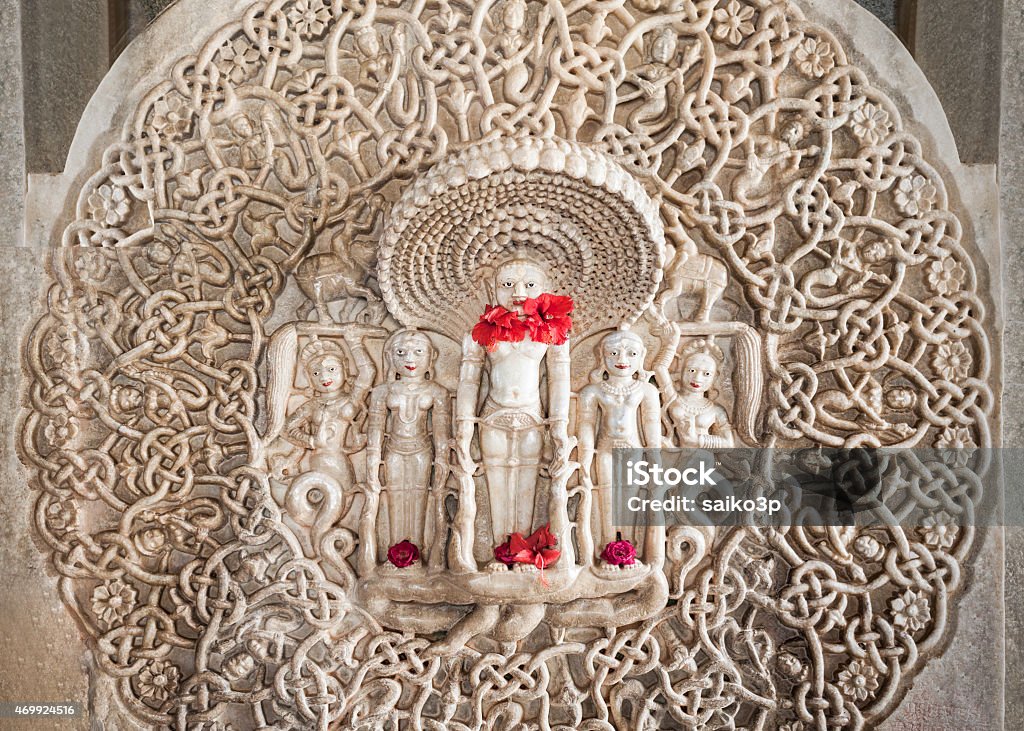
[764, 148]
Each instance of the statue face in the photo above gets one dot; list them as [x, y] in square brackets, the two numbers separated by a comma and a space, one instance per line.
[664, 47]
[517, 281]
[410, 355]
[623, 356]
[368, 42]
[699, 373]
[900, 399]
[325, 373]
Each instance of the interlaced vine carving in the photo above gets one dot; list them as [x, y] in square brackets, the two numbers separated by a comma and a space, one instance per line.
[763, 147]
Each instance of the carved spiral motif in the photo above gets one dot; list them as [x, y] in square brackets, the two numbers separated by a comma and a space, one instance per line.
[763, 145]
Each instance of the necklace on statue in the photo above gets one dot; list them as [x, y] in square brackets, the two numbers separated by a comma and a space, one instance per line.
[695, 409]
[620, 392]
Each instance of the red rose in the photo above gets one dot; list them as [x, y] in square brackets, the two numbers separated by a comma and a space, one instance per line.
[619, 553]
[404, 554]
[498, 325]
[549, 318]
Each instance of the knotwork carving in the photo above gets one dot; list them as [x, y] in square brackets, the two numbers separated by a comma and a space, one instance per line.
[736, 144]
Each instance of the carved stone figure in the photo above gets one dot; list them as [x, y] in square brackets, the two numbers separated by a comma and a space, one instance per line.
[309, 447]
[619, 409]
[512, 421]
[698, 421]
[407, 435]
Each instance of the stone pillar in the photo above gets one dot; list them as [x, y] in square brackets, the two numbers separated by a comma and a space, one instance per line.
[957, 44]
[67, 52]
[1011, 178]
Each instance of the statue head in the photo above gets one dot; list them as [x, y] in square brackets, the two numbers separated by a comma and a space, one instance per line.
[663, 50]
[701, 362]
[900, 398]
[513, 14]
[623, 353]
[367, 41]
[325, 367]
[410, 354]
[518, 280]
[242, 126]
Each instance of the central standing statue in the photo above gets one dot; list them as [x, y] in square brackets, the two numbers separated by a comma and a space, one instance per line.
[526, 328]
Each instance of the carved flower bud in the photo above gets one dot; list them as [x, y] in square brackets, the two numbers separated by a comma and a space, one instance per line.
[151, 540]
[239, 666]
[790, 665]
[869, 548]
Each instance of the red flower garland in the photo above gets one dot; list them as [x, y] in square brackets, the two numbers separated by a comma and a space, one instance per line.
[547, 319]
[539, 549]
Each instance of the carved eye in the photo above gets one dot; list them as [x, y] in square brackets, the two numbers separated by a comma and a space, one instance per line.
[508, 285]
[531, 285]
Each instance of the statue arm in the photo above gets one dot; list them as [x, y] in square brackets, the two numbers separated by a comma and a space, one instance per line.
[663, 363]
[586, 430]
[366, 369]
[558, 384]
[723, 437]
[650, 415]
[468, 393]
[294, 430]
[440, 418]
[375, 434]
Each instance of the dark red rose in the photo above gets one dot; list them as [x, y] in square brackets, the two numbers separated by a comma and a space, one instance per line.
[404, 553]
[549, 318]
[619, 553]
[498, 325]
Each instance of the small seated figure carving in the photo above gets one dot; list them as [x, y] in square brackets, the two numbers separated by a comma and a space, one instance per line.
[407, 434]
[697, 420]
[618, 409]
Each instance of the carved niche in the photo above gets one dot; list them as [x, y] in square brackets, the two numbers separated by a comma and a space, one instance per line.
[276, 468]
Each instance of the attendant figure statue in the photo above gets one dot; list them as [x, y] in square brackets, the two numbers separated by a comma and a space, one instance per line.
[619, 409]
[313, 443]
[408, 434]
[512, 418]
[697, 420]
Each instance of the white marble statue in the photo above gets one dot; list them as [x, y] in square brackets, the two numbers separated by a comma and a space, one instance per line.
[407, 435]
[696, 419]
[512, 420]
[619, 409]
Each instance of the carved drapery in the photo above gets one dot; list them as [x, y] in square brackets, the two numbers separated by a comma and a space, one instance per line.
[765, 150]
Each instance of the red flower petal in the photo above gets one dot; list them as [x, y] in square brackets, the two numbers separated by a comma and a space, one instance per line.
[542, 538]
[546, 557]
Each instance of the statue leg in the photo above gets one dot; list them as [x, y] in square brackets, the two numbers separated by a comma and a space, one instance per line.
[407, 495]
[531, 444]
[497, 446]
[604, 530]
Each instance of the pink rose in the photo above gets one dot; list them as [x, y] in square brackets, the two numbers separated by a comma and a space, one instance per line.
[619, 553]
[404, 554]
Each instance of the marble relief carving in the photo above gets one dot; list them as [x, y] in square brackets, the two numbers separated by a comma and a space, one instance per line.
[282, 471]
